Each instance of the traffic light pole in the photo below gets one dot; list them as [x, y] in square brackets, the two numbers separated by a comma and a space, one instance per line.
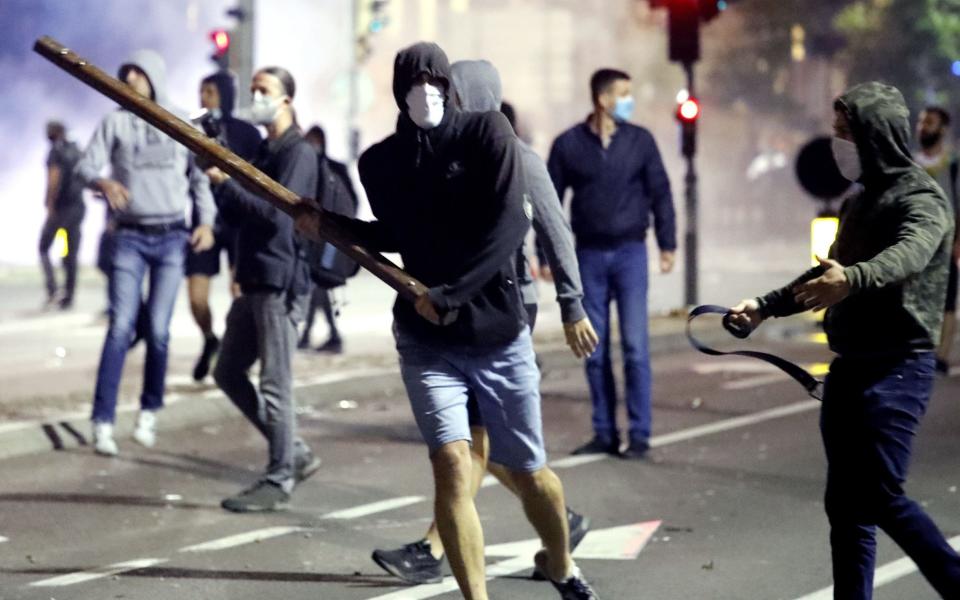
[691, 239]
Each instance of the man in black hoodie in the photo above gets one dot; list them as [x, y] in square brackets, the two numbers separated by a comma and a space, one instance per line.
[449, 192]
[218, 96]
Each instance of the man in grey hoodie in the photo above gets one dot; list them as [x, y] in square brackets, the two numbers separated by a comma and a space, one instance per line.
[478, 89]
[152, 179]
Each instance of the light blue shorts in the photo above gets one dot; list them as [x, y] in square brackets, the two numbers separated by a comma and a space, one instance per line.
[505, 382]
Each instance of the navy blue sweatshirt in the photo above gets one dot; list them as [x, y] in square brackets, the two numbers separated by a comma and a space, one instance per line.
[615, 188]
[268, 255]
[452, 201]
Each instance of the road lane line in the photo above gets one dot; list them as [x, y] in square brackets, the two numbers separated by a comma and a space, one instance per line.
[108, 571]
[755, 381]
[241, 539]
[4, 539]
[374, 507]
[888, 573]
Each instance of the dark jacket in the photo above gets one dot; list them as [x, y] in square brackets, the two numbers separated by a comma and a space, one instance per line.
[615, 188]
[268, 254]
[452, 201]
[894, 240]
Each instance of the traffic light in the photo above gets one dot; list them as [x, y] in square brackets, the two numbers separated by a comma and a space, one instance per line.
[688, 113]
[684, 18]
[221, 47]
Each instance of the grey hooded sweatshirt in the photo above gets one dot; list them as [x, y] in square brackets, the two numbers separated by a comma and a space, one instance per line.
[478, 87]
[159, 173]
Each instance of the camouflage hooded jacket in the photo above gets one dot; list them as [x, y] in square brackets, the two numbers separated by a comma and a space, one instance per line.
[894, 240]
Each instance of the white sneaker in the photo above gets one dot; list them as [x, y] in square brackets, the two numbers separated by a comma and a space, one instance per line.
[146, 432]
[103, 439]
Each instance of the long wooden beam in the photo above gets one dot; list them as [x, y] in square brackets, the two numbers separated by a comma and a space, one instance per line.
[337, 231]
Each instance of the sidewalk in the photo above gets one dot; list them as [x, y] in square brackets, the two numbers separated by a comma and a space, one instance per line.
[48, 360]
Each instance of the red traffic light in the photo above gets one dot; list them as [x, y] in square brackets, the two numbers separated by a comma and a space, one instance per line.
[221, 39]
[689, 110]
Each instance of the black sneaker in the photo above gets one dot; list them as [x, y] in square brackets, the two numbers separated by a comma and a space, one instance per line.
[636, 450]
[262, 497]
[210, 348]
[304, 466]
[579, 526]
[575, 587]
[599, 446]
[412, 563]
[331, 346]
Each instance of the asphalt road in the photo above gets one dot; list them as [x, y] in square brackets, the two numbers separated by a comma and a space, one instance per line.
[727, 505]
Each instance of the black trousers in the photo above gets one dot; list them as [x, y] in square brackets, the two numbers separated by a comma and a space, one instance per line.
[70, 220]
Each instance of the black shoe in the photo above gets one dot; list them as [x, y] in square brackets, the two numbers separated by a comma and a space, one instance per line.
[575, 587]
[262, 497]
[331, 346]
[304, 466]
[65, 303]
[599, 446]
[636, 450]
[579, 526]
[210, 348]
[304, 343]
[942, 367]
[412, 563]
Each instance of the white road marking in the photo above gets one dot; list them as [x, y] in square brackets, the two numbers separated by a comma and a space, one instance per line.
[756, 381]
[241, 539]
[420, 592]
[4, 539]
[617, 543]
[374, 507]
[732, 366]
[108, 571]
[888, 573]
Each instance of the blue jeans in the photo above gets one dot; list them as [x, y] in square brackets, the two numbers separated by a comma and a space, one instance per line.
[871, 412]
[618, 274]
[135, 254]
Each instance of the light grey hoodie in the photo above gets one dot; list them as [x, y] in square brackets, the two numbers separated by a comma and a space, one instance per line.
[159, 173]
[478, 88]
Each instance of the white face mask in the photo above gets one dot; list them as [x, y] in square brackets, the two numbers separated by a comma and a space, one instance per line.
[264, 109]
[847, 159]
[425, 105]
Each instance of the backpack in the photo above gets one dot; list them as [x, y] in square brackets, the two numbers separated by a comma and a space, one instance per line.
[329, 267]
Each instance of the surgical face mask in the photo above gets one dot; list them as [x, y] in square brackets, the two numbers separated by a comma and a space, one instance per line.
[847, 159]
[425, 105]
[623, 109]
[264, 109]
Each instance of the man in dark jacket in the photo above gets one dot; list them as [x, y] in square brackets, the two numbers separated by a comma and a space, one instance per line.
[262, 323]
[883, 287]
[65, 210]
[618, 182]
[218, 96]
[449, 193]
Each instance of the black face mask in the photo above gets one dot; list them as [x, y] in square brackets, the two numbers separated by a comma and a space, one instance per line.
[928, 140]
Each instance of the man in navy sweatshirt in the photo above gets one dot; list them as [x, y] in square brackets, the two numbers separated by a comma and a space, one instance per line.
[618, 180]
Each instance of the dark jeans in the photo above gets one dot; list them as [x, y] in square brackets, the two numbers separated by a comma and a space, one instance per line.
[871, 412]
[618, 274]
[70, 220]
[134, 255]
[263, 326]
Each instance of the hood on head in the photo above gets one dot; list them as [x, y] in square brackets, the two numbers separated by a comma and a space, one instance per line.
[154, 67]
[226, 83]
[880, 123]
[423, 57]
[478, 87]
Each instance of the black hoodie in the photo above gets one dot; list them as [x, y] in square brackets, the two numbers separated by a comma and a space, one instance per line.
[451, 200]
[241, 137]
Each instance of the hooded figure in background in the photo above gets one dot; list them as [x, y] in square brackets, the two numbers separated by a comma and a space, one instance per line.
[218, 96]
[450, 194]
[884, 287]
[151, 182]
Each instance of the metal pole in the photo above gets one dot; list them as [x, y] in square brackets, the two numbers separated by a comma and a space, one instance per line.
[690, 245]
[353, 110]
[242, 49]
